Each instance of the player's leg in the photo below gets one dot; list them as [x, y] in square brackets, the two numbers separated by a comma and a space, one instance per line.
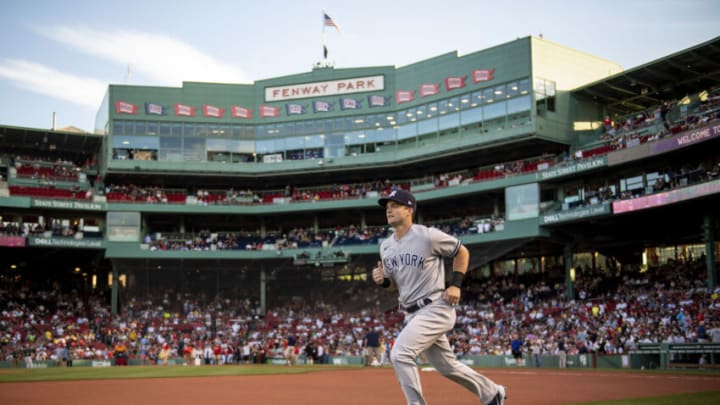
[420, 332]
[441, 356]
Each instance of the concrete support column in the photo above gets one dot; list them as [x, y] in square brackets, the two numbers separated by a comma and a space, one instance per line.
[709, 225]
[263, 288]
[569, 283]
[115, 289]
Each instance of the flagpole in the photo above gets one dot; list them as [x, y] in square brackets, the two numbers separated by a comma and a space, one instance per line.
[324, 48]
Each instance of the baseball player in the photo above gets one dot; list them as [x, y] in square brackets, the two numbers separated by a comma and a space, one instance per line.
[412, 262]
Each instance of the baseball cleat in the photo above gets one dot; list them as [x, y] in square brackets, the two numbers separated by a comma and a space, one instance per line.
[499, 397]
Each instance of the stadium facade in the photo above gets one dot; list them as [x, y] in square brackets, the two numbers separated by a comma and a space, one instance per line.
[516, 148]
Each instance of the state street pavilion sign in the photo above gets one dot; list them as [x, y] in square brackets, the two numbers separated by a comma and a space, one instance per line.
[322, 89]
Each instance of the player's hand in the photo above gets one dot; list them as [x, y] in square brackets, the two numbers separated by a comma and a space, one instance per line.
[452, 295]
[378, 274]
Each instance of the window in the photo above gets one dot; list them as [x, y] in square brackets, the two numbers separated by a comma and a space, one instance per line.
[194, 149]
[117, 127]
[544, 95]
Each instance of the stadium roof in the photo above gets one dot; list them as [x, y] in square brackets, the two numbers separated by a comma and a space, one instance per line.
[672, 77]
[66, 140]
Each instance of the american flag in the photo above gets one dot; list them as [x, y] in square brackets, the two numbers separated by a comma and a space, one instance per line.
[328, 22]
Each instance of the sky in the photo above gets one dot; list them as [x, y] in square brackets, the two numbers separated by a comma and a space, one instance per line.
[59, 57]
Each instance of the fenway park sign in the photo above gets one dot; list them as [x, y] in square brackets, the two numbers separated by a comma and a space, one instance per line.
[322, 89]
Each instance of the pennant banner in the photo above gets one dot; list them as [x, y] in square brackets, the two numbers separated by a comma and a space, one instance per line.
[123, 107]
[184, 110]
[155, 109]
[322, 106]
[349, 103]
[429, 89]
[403, 96]
[294, 109]
[268, 111]
[212, 111]
[377, 101]
[240, 112]
[482, 75]
[455, 82]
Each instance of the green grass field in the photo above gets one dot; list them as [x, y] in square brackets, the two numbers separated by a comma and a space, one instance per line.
[700, 398]
[89, 373]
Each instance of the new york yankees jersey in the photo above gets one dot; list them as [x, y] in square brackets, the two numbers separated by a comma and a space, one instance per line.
[416, 263]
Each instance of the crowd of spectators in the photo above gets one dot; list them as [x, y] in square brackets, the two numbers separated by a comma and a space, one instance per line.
[665, 119]
[615, 310]
[669, 178]
[300, 238]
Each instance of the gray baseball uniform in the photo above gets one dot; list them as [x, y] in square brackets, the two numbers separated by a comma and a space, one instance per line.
[415, 263]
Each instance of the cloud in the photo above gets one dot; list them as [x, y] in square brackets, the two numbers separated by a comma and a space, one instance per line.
[41, 79]
[162, 59]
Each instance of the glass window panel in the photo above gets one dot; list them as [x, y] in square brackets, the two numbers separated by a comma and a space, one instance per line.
[513, 89]
[170, 149]
[237, 131]
[494, 110]
[278, 129]
[500, 92]
[354, 138]
[466, 101]
[443, 107]
[121, 141]
[214, 130]
[407, 131]
[518, 104]
[488, 95]
[218, 145]
[453, 104]
[401, 117]
[189, 129]
[139, 127]
[194, 149]
[295, 142]
[265, 146]
[471, 116]
[476, 98]
[177, 129]
[117, 127]
[379, 135]
[147, 142]
[128, 128]
[428, 126]
[308, 127]
[359, 122]
[524, 86]
[326, 125]
[135, 142]
[550, 85]
[152, 128]
[315, 141]
[203, 130]
[335, 146]
[449, 121]
[164, 129]
[167, 142]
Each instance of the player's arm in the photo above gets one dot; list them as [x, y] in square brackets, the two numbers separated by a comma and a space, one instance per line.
[378, 275]
[460, 265]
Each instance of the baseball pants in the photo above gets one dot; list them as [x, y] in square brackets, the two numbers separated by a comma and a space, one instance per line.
[424, 331]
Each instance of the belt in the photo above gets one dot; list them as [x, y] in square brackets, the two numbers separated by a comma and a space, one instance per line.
[418, 305]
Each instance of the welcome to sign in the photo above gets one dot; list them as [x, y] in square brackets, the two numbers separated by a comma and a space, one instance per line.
[328, 88]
